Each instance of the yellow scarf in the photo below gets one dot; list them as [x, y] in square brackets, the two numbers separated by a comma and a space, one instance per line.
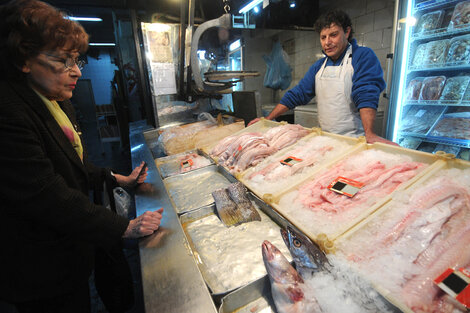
[64, 123]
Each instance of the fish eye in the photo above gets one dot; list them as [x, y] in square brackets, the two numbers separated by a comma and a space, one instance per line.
[296, 243]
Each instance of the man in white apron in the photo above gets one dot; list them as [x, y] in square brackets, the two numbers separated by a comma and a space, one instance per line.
[347, 82]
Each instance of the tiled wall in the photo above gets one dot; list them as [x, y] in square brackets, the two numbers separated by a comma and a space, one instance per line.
[101, 73]
[372, 24]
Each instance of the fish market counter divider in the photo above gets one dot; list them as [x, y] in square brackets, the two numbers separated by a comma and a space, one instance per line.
[171, 280]
[406, 244]
[324, 215]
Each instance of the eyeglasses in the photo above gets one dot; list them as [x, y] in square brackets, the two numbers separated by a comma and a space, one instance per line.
[68, 62]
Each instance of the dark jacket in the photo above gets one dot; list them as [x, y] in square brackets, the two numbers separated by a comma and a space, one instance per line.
[48, 225]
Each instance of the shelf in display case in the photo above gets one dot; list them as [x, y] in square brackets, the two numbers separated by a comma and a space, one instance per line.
[437, 102]
[463, 143]
[440, 67]
[440, 33]
[431, 4]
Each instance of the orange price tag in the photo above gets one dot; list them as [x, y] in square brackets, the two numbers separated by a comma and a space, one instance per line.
[187, 163]
[290, 161]
[345, 186]
[237, 152]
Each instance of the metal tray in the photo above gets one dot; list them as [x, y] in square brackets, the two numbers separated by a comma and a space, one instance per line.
[216, 248]
[171, 165]
[193, 190]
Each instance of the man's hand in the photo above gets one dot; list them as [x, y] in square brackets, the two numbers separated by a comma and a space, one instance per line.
[144, 225]
[136, 177]
[253, 121]
[371, 138]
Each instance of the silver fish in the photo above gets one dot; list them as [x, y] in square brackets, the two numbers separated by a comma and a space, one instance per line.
[308, 257]
[289, 292]
[237, 192]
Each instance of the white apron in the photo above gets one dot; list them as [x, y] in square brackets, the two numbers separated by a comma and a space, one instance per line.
[336, 111]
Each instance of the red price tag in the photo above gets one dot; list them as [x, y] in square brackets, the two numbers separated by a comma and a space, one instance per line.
[237, 152]
[290, 161]
[345, 186]
[456, 283]
[186, 163]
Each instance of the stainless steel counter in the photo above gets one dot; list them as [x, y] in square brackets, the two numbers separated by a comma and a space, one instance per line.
[171, 279]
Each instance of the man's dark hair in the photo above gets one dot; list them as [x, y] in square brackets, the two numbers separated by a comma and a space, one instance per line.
[337, 17]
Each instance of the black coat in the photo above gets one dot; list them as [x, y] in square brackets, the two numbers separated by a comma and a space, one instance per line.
[48, 225]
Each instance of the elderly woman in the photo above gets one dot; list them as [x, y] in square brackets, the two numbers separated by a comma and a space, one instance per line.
[50, 228]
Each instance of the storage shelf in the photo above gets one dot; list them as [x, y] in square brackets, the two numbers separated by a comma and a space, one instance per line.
[463, 143]
[440, 33]
[441, 67]
[459, 103]
[432, 4]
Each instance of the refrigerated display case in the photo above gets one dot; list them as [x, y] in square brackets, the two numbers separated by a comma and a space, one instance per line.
[429, 106]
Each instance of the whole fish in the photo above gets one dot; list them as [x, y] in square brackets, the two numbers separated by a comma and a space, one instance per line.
[237, 192]
[337, 287]
[289, 292]
[308, 257]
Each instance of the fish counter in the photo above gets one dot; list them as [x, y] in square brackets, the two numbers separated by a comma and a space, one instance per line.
[240, 213]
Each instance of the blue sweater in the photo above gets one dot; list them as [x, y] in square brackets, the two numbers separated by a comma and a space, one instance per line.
[367, 85]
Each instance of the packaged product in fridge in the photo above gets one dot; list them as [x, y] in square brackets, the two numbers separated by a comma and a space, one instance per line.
[427, 147]
[466, 95]
[464, 154]
[429, 21]
[436, 52]
[459, 51]
[414, 88]
[419, 54]
[420, 118]
[446, 148]
[455, 88]
[461, 16]
[409, 142]
[453, 125]
[432, 88]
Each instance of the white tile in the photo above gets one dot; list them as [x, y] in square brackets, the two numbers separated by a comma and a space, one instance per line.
[375, 5]
[387, 37]
[364, 24]
[373, 40]
[383, 18]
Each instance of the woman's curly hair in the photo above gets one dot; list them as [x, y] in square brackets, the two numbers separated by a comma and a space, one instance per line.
[28, 27]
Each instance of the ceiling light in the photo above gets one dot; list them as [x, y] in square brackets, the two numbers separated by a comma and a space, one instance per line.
[234, 45]
[85, 19]
[292, 4]
[102, 44]
[249, 6]
[256, 9]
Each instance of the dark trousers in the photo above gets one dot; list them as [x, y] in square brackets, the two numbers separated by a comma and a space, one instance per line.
[77, 301]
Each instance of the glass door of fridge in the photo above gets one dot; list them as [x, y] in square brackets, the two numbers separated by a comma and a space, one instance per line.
[431, 94]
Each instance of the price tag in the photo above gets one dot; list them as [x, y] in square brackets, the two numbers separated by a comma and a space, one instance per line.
[345, 186]
[456, 283]
[290, 161]
[186, 164]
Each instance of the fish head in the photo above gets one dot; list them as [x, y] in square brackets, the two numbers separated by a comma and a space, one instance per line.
[308, 257]
[277, 266]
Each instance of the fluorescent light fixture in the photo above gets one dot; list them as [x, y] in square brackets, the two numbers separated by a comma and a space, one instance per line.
[85, 19]
[256, 9]
[401, 86]
[234, 45]
[102, 44]
[201, 54]
[249, 6]
[292, 5]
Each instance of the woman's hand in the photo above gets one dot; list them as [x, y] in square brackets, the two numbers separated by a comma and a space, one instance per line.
[144, 225]
[136, 177]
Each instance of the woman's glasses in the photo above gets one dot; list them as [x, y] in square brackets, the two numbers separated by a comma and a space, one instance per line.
[68, 62]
